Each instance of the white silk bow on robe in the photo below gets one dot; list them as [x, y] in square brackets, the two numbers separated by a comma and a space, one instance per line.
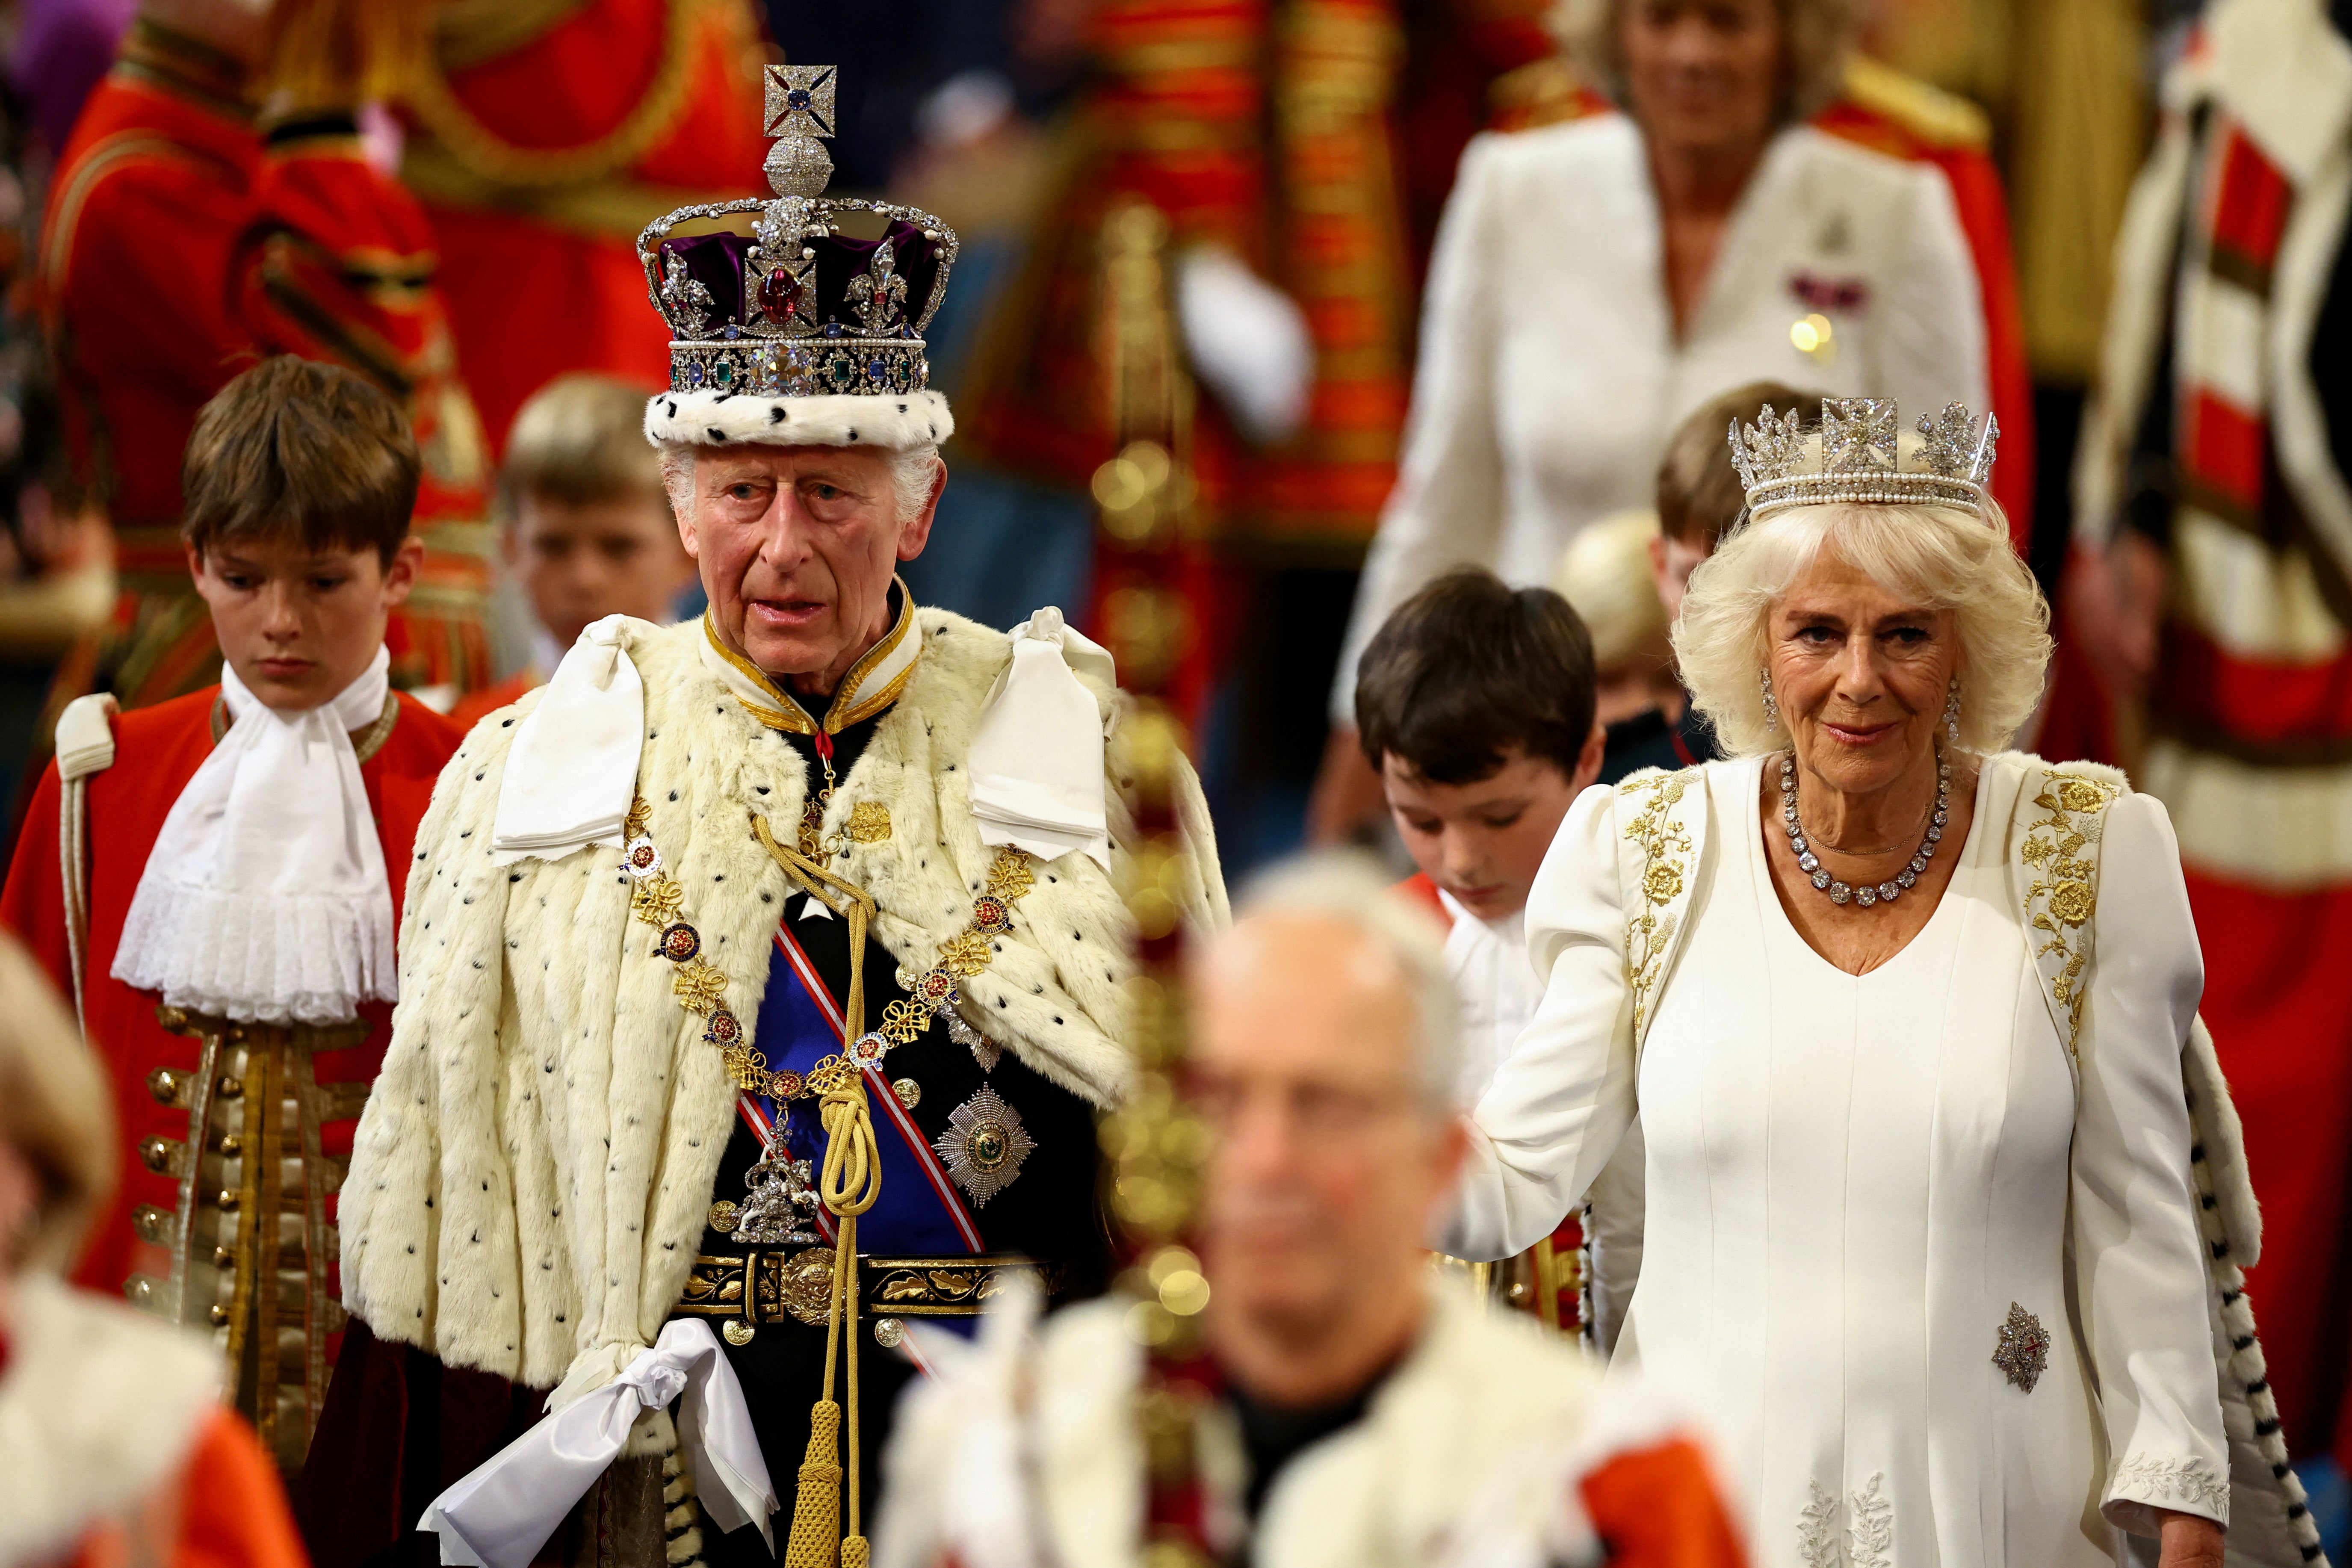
[502, 1513]
[1037, 760]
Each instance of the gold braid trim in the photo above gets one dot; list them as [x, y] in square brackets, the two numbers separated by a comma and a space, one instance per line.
[2065, 888]
[485, 154]
[1665, 849]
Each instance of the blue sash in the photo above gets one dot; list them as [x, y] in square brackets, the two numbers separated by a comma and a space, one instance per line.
[920, 1213]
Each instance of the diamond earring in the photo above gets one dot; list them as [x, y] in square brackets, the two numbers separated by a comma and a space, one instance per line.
[1771, 703]
[1952, 713]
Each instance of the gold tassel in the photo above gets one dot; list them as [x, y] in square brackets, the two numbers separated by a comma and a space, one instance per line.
[816, 1514]
[852, 1552]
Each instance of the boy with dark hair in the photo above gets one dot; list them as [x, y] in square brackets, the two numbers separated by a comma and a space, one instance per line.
[1475, 704]
[221, 906]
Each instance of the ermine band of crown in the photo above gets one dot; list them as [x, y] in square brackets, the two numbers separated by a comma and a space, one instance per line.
[1858, 455]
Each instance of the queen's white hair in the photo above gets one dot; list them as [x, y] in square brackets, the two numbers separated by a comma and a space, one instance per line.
[1941, 557]
[913, 471]
[1347, 887]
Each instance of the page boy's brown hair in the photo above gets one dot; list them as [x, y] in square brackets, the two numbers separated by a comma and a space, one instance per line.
[578, 441]
[1468, 668]
[296, 449]
[1700, 497]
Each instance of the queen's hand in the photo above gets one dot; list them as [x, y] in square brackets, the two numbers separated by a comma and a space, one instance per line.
[2188, 1541]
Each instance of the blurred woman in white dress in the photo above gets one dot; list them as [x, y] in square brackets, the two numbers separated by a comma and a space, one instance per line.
[1594, 282]
[1919, 1200]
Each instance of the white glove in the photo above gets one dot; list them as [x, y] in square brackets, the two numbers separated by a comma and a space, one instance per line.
[1248, 340]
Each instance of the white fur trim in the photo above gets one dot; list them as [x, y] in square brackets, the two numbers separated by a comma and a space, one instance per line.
[534, 1167]
[2286, 829]
[2145, 260]
[727, 418]
[100, 1407]
[2268, 1521]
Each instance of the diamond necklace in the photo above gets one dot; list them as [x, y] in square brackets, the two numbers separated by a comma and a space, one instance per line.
[1865, 895]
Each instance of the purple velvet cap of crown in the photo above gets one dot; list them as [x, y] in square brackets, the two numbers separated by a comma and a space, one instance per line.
[716, 261]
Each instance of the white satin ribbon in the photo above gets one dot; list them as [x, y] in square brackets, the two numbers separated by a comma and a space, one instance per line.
[1038, 759]
[265, 897]
[501, 1514]
[571, 772]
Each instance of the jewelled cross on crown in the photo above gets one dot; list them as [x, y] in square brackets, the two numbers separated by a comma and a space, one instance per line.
[1858, 435]
[799, 110]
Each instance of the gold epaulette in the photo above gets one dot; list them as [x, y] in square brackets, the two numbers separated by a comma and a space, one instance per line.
[1548, 91]
[1938, 117]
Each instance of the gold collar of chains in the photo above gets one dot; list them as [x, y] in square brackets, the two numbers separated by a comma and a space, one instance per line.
[700, 986]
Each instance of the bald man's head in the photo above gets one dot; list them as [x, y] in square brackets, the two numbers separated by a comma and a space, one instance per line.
[1324, 1037]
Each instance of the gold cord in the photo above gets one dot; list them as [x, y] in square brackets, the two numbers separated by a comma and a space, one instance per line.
[849, 1185]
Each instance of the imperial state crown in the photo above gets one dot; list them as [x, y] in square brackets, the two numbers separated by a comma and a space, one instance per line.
[798, 333]
[1860, 439]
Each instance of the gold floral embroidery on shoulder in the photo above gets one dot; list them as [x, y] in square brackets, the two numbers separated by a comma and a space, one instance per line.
[1666, 848]
[2062, 849]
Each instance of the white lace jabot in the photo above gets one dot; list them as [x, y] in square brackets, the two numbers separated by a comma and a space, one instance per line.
[265, 898]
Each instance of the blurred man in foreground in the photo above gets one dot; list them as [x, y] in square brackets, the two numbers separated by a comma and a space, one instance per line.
[1347, 1407]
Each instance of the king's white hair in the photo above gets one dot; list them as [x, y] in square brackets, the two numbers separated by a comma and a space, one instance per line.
[913, 471]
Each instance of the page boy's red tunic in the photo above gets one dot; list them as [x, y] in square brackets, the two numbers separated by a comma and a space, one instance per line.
[274, 1283]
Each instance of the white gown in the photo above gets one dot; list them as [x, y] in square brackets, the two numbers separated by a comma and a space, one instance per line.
[1850, 1179]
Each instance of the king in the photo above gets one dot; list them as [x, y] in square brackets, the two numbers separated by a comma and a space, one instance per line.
[765, 973]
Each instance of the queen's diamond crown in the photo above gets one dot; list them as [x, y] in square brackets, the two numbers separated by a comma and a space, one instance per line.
[797, 307]
[1858, 457]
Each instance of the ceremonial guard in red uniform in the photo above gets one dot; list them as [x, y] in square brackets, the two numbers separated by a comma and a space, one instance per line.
[215, 880]
[184, 241]
[542, 138]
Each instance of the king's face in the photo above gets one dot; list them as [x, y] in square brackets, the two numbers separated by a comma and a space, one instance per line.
[796, 546]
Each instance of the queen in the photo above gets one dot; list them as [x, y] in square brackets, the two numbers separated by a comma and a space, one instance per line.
[1905, 1020]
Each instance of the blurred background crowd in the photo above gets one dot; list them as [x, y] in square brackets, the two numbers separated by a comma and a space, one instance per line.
[1198, 240]
[155, 233]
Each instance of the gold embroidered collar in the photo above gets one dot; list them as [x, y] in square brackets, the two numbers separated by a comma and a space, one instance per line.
[873, 683]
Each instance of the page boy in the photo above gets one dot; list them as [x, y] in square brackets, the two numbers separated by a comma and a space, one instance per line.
[215, 880]
[586, 528]
[1475, 701]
